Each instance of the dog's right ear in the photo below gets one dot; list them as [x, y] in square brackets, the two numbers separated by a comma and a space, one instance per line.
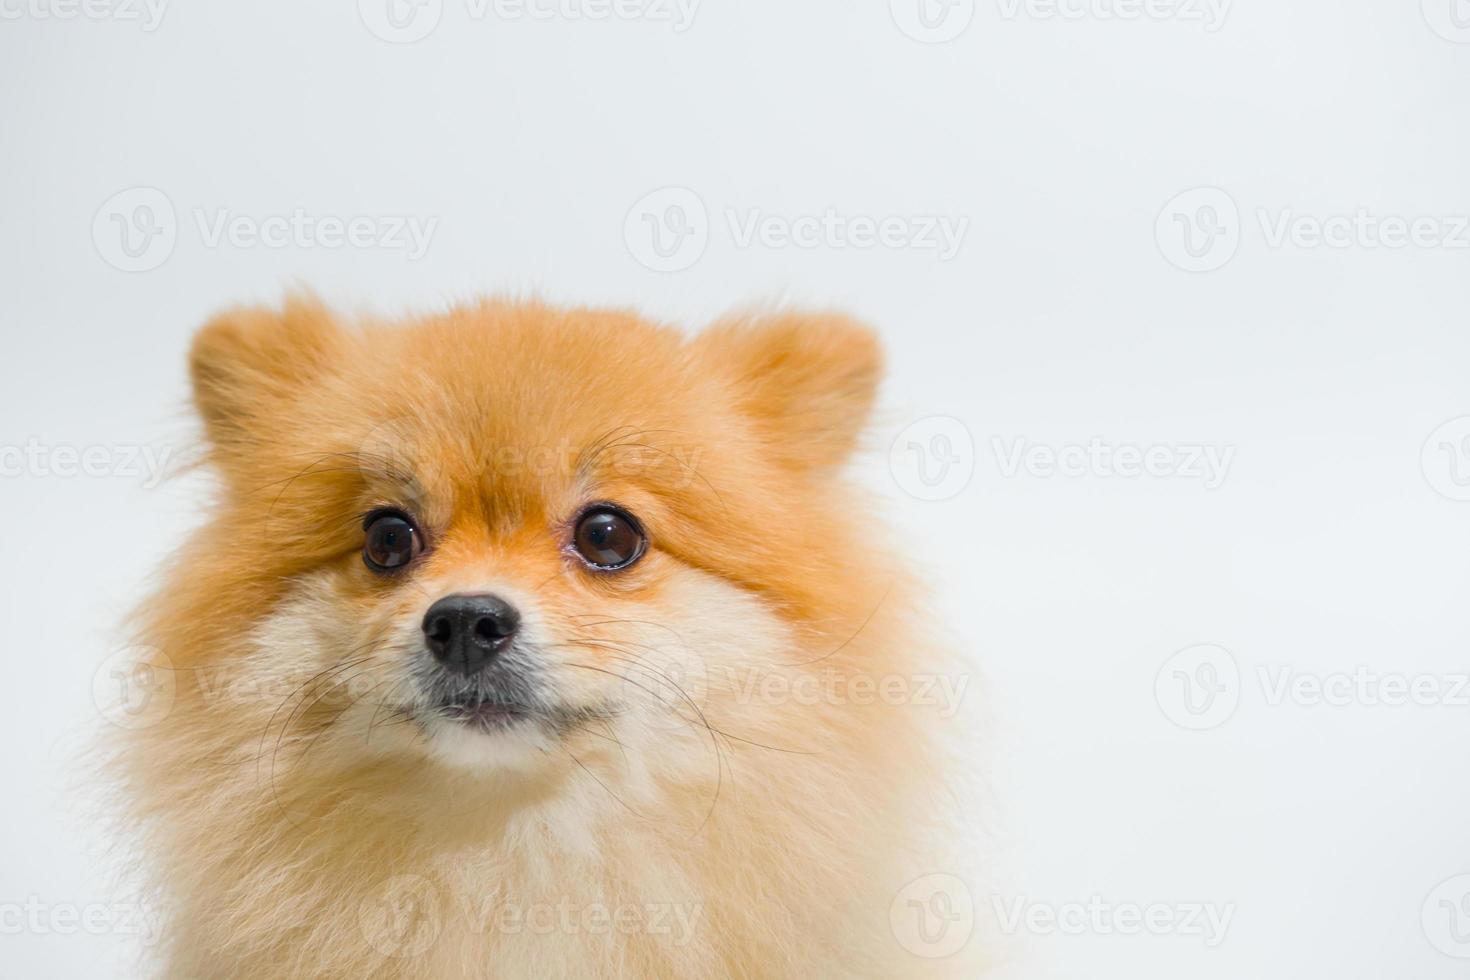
[247, 364]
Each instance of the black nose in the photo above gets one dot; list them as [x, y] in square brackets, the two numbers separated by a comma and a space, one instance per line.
[466, 632]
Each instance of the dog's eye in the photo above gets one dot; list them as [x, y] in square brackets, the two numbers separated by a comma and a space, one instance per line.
[607, 537]
[391, 541]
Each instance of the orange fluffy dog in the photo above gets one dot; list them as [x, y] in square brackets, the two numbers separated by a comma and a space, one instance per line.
[527, 642]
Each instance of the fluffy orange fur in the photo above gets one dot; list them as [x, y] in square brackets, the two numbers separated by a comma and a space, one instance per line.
[704, 821]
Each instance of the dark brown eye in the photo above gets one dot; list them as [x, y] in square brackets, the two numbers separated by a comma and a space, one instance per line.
[391, 541]
[609, 538]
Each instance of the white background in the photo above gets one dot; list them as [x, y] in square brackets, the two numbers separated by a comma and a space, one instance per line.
[1331, 544]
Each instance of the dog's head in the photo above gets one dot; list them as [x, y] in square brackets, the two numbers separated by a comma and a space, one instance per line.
[484, 538]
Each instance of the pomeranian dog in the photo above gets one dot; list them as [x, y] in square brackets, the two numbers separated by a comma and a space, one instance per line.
[532, 642]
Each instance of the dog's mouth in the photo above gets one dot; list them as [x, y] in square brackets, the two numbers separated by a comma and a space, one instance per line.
[491, 715]
[485, 714]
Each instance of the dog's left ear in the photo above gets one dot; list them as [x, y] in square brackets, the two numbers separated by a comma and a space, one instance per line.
[807, 380]
[247, 364]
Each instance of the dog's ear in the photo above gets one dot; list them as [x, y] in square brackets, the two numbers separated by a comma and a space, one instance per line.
[807, 380]
[247, 364]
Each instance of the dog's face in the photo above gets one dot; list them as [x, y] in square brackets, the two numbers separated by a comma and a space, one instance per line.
[510, 536]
